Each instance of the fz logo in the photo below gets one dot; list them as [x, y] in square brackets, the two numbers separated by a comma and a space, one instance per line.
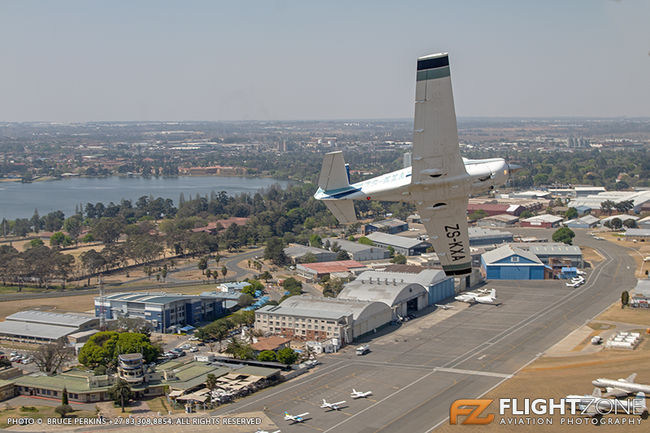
[472, 408]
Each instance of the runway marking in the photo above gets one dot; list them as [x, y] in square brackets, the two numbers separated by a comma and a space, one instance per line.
[473, 372]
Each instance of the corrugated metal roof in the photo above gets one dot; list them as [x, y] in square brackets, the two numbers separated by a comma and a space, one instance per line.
[35, 330]
[324, 308]
[46, 317]
[555, 249]
[389, 293]
[353, 247]
[327, 267]
[506, 251]
[398, 241]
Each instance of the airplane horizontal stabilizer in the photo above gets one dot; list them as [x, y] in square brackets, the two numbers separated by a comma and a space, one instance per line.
[343, 210]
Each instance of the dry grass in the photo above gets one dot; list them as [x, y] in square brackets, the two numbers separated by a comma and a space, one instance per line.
[590, 255]
[41, 412]
[615, 313]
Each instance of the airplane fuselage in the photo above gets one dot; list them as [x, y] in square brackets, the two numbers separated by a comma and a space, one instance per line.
[630, 387]
[482, 175]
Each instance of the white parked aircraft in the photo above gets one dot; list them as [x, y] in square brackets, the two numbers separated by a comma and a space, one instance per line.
[595, 404]
[444, 307]
[472, 298]
[621, 387]
[360, 394]
[439, 181]
[332, 406]
[265, 431]
[295, 418]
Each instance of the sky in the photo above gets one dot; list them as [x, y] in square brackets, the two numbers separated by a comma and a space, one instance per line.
[75, 61]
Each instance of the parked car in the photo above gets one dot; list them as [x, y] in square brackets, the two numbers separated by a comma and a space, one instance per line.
[185, 346]
[194, 349]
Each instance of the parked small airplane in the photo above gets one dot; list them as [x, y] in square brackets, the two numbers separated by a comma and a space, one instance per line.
[595, 405]
[360, 394]
[621, 387]
[444, 307]
[265, 431]
[472, 298]
[295, 418]
[332, 406]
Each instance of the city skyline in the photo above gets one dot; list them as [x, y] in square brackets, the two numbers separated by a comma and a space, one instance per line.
[285, 60]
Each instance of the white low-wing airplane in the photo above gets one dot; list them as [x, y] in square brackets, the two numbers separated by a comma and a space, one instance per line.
[360, 394]
[621, 387]
[295, 418]
[473, 298]
[444, 307]
[439, 181]
[332, 406]
[595, 404]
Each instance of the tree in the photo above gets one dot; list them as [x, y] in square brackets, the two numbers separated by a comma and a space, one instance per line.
[309, 258]
[526, 214]
[108, 230]
[564, 235]
[275, 251]
[629, 223]
[245, 300]
[240, 350]
[53, 221]
[121, 393]
[624, 206]
[203, 264]
[49, 358]
[625, 299]
[211, 382]
[342, 255]
[36, 221]
[267, 356]
[399, 259]
[571, 213]
[224, 271]
[616, 223]
[315, 241]
[292, 285]
[607, 206]
[73, 226]
[478, 214]
[103, 348]
[64, 396]
[36, 243]
[59, 239]
[365, 241]
[63, 410]
[287, 355]
[266, 276]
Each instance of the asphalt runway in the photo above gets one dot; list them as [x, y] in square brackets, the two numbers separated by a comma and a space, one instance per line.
[416, 376]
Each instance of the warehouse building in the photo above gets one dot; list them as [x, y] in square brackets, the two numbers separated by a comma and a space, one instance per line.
[401, 244]
[360, 252]
[317, 271]
[511, 263]
[593, 200]
[296, 253]
[555, 254]
[403, 292]
[644, 223]
[390, 226]
[640, 235]
[482, 236]
[542, 221]
[500, 220]
[585, 222]
[166, 312]
[44, 326]
[311, 318]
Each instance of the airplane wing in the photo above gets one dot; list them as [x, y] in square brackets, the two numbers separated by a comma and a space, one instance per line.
[302, 415]
[615, 392]
[435, 137]
[338, 403]
[447, 229]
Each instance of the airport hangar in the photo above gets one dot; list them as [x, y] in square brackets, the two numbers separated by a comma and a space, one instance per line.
[44, 327]
[360, 252]
[404, 293]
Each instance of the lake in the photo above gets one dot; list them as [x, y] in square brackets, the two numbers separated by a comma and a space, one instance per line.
[18, 200]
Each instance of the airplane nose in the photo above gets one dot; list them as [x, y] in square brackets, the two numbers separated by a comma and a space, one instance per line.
[513, 168]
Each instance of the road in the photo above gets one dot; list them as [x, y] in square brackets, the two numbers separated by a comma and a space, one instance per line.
[415, 376]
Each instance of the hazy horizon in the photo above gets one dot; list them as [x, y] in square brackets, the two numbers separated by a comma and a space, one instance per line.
[161, 61]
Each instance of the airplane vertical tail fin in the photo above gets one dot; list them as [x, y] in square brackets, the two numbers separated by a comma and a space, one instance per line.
[493, 293]
[597, 392]
[333, 174]
[354, 391]
[335, 179]
[631, 378]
